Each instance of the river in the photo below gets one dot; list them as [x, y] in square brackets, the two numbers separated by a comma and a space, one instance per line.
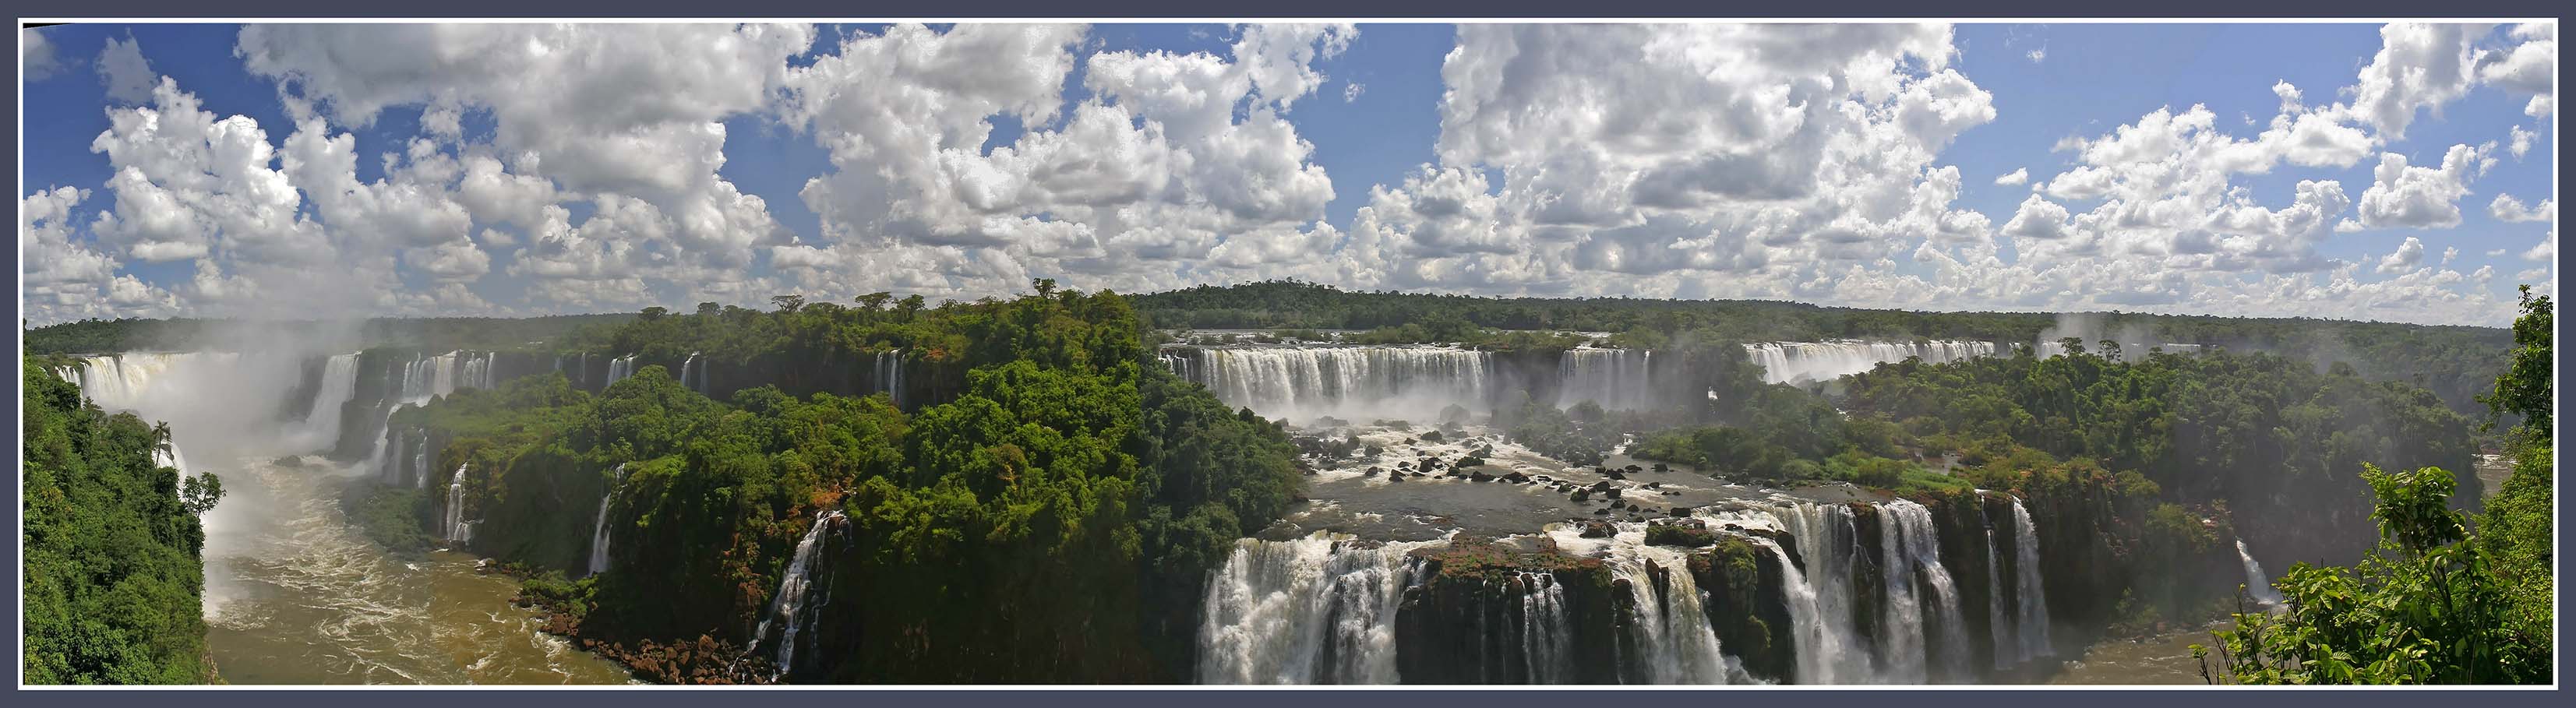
[296, 594]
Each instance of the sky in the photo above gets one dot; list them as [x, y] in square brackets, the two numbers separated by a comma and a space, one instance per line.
[2396, 173]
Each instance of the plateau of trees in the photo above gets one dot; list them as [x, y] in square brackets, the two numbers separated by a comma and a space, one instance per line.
[1050, 519]
[113, 574]
[2446, 596]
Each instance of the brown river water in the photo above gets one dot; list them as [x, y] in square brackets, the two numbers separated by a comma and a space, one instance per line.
[296, 594]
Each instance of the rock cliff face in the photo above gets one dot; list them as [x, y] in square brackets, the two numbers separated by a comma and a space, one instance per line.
[1489, 614]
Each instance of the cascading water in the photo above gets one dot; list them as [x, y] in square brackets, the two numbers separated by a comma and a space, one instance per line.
[1319, 609]
[339, 384]
[1359, 382]
[690, 377]
[1911, 547]
[620, 368]
[1547, 630]
[1999, 620]
[788, 609]
[890, 374]
[599, 526]
[459, 531]
[1803, 362]
[2031, 600]
[1615, 379]
[2256, 583]
[420, 460]
[1829, 645]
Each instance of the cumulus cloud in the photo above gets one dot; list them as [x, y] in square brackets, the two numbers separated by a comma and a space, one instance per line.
[128, 76]
[2508, 209]
[2036, 55]
[2405, 257]
[2522, 140]
[2546, 251]
[2418, 197]
[2017, 177]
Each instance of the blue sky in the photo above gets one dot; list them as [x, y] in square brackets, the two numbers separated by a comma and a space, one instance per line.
[1731, 161]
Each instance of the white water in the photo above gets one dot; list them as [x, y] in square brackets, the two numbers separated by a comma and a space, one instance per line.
[599, 525]
[1803, 362]
[1547, 630]
[690, 377]
[339, 384]
[1352, 382]
[2031, 599]
[1999, 619]
[1829, 646]
[2256, 583]
[890, 375]
[788, 610]
[1615, 379]
[1309, 611]
[1910, 547]
[220, 400]
[458, 530]
[1673, 634]
[620, 368]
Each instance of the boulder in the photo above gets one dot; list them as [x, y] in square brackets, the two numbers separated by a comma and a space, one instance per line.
[1599, 529]
[1582, 495]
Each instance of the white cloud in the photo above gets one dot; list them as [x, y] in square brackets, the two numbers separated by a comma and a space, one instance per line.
[2037, 55]
[2545, 251]
[2404, 196]
[2450, 253]
[2405, 257]
[128, 77]
[2522, 141]
[2505, 208]
[1351, 91]
[2018, 177]
[2419, 67]
[37, 58]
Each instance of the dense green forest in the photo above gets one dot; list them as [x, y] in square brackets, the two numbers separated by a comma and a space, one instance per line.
[2446, 596]
[113, 571]
[1050, 522]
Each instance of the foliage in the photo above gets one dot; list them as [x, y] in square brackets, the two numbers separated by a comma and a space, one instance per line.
[113, 576]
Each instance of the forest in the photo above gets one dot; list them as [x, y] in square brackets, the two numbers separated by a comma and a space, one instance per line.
[112, 574]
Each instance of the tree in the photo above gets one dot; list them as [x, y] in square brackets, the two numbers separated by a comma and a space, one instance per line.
[2524, 389]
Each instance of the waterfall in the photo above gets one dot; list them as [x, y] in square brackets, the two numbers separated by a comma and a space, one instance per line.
[459, 531]
[2031, 599]
[321, 427]
[1999, 622]
[1670, 624]
[890, 375]
[1319, 609]
[477, 371]
[788, 609]
[420, 460]
[1180, 366]
[1911, 547]
[2256, 583]
[1360, 382]
[1821, 602]
[1615, 379]
[690, 377]
[1804, 362]
[599, 526]
[620, 368]
[1547, 630]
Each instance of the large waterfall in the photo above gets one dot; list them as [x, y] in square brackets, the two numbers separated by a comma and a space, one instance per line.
[1547, 629]
[599, 525]
[1802, 362]
[1821, 599]
[203, 394]
[1674, 640]
[1359, 383]
[1911, 549]
[1615, 379]
[1319, 609]
[2256, 583]
[2030, 601]
[789, 610]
